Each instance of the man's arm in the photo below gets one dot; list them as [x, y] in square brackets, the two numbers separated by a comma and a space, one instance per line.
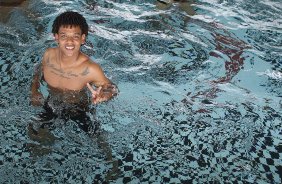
[36, 78]
[36, 96]
[105, 89]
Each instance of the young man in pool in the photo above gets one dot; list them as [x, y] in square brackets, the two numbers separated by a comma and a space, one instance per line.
[69, 73]
[66, 68]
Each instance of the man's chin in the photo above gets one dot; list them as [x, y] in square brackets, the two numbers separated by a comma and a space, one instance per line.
[69, 53]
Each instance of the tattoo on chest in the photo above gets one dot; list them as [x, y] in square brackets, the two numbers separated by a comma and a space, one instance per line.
[66, 74]
[85, 72]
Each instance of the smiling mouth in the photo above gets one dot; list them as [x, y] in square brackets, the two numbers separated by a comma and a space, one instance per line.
[69, 47]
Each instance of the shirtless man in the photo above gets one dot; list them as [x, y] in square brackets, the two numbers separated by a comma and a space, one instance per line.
[69, 75]
[66, 69]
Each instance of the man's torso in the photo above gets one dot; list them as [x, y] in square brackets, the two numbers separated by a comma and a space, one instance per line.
[74, 77]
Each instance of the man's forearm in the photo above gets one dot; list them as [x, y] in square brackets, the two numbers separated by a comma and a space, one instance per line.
[35, 85]
[109, 91]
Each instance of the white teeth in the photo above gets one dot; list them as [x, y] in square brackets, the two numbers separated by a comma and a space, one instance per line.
[69, 48]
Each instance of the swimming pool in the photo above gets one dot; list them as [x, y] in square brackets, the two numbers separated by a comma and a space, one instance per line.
[200, 94]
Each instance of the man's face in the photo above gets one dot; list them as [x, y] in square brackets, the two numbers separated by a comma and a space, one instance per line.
[70, 39]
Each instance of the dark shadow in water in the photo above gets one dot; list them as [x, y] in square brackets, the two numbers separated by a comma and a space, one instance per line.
[40, 131]
[11, 2]
[6, 6]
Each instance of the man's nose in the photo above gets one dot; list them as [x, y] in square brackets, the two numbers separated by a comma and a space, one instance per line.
[70, 39]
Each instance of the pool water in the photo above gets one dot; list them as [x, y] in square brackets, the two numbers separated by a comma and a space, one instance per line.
[200, 94]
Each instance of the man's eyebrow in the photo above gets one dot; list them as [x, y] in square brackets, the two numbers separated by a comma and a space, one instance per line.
[65, 33]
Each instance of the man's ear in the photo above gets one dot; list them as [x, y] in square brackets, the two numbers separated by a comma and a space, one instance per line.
[83, 37]
[56, 37]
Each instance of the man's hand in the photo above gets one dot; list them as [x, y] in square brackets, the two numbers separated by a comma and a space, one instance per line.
[37, 99]
[103, 93]
[96, 94]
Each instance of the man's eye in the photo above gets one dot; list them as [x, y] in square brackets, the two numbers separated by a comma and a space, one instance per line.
[63, 36]
[76, 37]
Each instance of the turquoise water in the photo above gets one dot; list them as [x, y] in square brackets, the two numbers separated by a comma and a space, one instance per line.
[200, 94]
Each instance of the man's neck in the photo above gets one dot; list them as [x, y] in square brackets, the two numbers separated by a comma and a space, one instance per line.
[67, 61]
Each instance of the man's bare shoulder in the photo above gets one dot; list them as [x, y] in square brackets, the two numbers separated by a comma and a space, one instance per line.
[50, 50]
[92, 65]
[95, 71]
[49, 53]
[96, 68]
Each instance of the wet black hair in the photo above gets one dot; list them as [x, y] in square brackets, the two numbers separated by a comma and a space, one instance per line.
[70, 18]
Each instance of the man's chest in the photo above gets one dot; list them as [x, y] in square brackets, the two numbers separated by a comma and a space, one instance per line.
[73, 79]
